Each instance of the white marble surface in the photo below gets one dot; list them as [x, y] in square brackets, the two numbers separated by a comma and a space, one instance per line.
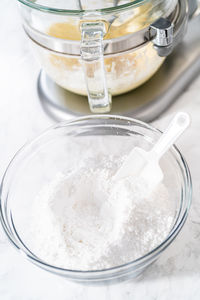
[175, 276]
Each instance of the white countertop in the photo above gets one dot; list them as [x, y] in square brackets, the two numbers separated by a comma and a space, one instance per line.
[175, 276]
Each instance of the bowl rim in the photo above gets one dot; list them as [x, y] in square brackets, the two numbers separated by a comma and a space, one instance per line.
[150, 256]
[79, 12]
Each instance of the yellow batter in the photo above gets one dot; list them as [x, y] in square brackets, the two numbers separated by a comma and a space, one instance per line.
[118, 28]
[119, 65]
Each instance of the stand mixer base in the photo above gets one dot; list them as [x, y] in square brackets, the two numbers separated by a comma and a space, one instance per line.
[146, 102]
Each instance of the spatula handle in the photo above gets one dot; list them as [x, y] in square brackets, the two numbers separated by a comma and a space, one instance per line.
[176, 127]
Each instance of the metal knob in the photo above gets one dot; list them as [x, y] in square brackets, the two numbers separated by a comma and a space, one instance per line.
[162, 32]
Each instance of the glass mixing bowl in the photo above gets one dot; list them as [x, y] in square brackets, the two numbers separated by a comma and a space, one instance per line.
[100, 48]
[63, 147]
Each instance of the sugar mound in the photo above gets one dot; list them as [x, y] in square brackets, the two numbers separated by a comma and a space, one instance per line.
[82, 221]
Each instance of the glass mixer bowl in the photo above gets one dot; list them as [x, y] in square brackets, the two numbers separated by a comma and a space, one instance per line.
[102, 48]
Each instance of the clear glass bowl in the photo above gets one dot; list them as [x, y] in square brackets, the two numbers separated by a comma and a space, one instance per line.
[55, 30]
[61, 148]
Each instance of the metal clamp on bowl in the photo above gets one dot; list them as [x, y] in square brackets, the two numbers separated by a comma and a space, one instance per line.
[167, 33]
[163, 33]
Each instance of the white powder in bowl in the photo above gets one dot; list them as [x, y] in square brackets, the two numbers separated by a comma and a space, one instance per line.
[82, 221]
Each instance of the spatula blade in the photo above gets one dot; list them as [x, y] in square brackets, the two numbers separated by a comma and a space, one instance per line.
[133, 165]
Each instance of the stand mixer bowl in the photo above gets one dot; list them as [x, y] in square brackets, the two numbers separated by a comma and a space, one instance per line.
[103, 48]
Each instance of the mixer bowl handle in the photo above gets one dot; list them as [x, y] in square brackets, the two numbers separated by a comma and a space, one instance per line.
[92, 57]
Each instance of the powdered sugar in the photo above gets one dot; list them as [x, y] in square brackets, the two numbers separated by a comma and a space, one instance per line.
[81, 220]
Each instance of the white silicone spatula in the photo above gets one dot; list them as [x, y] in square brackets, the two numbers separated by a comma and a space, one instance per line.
[145, 165]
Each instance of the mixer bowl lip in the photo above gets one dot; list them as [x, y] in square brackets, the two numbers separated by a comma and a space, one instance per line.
[137, 263]
[129, 42]
[77, 12]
